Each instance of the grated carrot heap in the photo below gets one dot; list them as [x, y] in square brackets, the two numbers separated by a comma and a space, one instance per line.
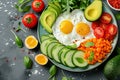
[100, 50]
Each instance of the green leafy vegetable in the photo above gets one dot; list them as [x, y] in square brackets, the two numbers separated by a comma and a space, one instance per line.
[69, 5]
[28, 62]
[117, 16]
[20, 1]
[91, 56]
[52, 72]
[19, 27]
[89, 44]
[21, 6]
[18, 40]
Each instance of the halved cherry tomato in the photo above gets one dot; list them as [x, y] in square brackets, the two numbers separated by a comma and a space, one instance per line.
[99, 32]
[29, 20]
[105, 18]
[95, 24]
[108, 36]
[38, 5]
[111, 29]
[110, 32]
[103, 25]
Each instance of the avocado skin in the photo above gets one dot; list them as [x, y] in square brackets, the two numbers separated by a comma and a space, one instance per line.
[95, 5]
[112, 68]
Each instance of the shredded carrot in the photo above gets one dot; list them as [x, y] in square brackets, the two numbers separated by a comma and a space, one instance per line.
[101, 48]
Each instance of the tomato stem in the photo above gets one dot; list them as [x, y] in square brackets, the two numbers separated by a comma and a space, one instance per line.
[37, 4]
[28, 20]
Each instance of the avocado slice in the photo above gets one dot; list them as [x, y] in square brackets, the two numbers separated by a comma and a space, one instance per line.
[52, 9]
[58, 5]
[112, 68]
[55, 7]
[47, 19]
[93, 11]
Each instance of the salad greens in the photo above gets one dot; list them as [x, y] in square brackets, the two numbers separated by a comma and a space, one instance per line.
[21, 6]
[69, 5]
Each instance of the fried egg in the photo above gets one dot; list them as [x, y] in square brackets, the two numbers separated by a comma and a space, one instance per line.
[72, 28]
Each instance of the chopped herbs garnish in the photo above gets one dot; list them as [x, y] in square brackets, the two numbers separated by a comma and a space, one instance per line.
[89, 44]
[91, 57]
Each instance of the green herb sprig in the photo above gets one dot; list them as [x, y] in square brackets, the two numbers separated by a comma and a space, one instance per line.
[20, 28]
[21, 6]
[18, 40]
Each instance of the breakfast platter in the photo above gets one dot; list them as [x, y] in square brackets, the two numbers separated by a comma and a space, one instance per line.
[66, 59]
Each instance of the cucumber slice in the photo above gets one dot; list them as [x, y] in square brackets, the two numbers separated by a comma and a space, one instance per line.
[68, 58]
[45, 44]
[47, 36]
[50, 47]
[55, 52]
[62, 53]
[78, 59]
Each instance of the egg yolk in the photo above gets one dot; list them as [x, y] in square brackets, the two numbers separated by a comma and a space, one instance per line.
[82, 29]
[66, 26]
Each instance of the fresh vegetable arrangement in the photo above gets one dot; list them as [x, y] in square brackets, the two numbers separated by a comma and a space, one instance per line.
[97, 37]
[78, 33]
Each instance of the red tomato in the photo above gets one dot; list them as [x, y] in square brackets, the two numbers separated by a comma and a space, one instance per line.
[105, 18]
[95, 24]
[111, 29]
[99, 32]
[29, 20]
[110, 32]
[108, 36]
[103, 25]
[38, 5]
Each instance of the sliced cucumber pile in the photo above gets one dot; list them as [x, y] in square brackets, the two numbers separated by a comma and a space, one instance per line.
[60, 53]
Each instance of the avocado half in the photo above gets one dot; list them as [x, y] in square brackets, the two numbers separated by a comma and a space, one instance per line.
[93, 11]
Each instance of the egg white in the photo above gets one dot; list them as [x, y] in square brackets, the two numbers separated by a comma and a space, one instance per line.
[75, 17]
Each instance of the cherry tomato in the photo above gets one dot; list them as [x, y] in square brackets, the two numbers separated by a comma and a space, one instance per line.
[105, 18]
[38, 5]
[29, 20]
[99, 32]
[103, 25]
[108, 36]
[111, 29]
[95, 24]
[110, 32]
